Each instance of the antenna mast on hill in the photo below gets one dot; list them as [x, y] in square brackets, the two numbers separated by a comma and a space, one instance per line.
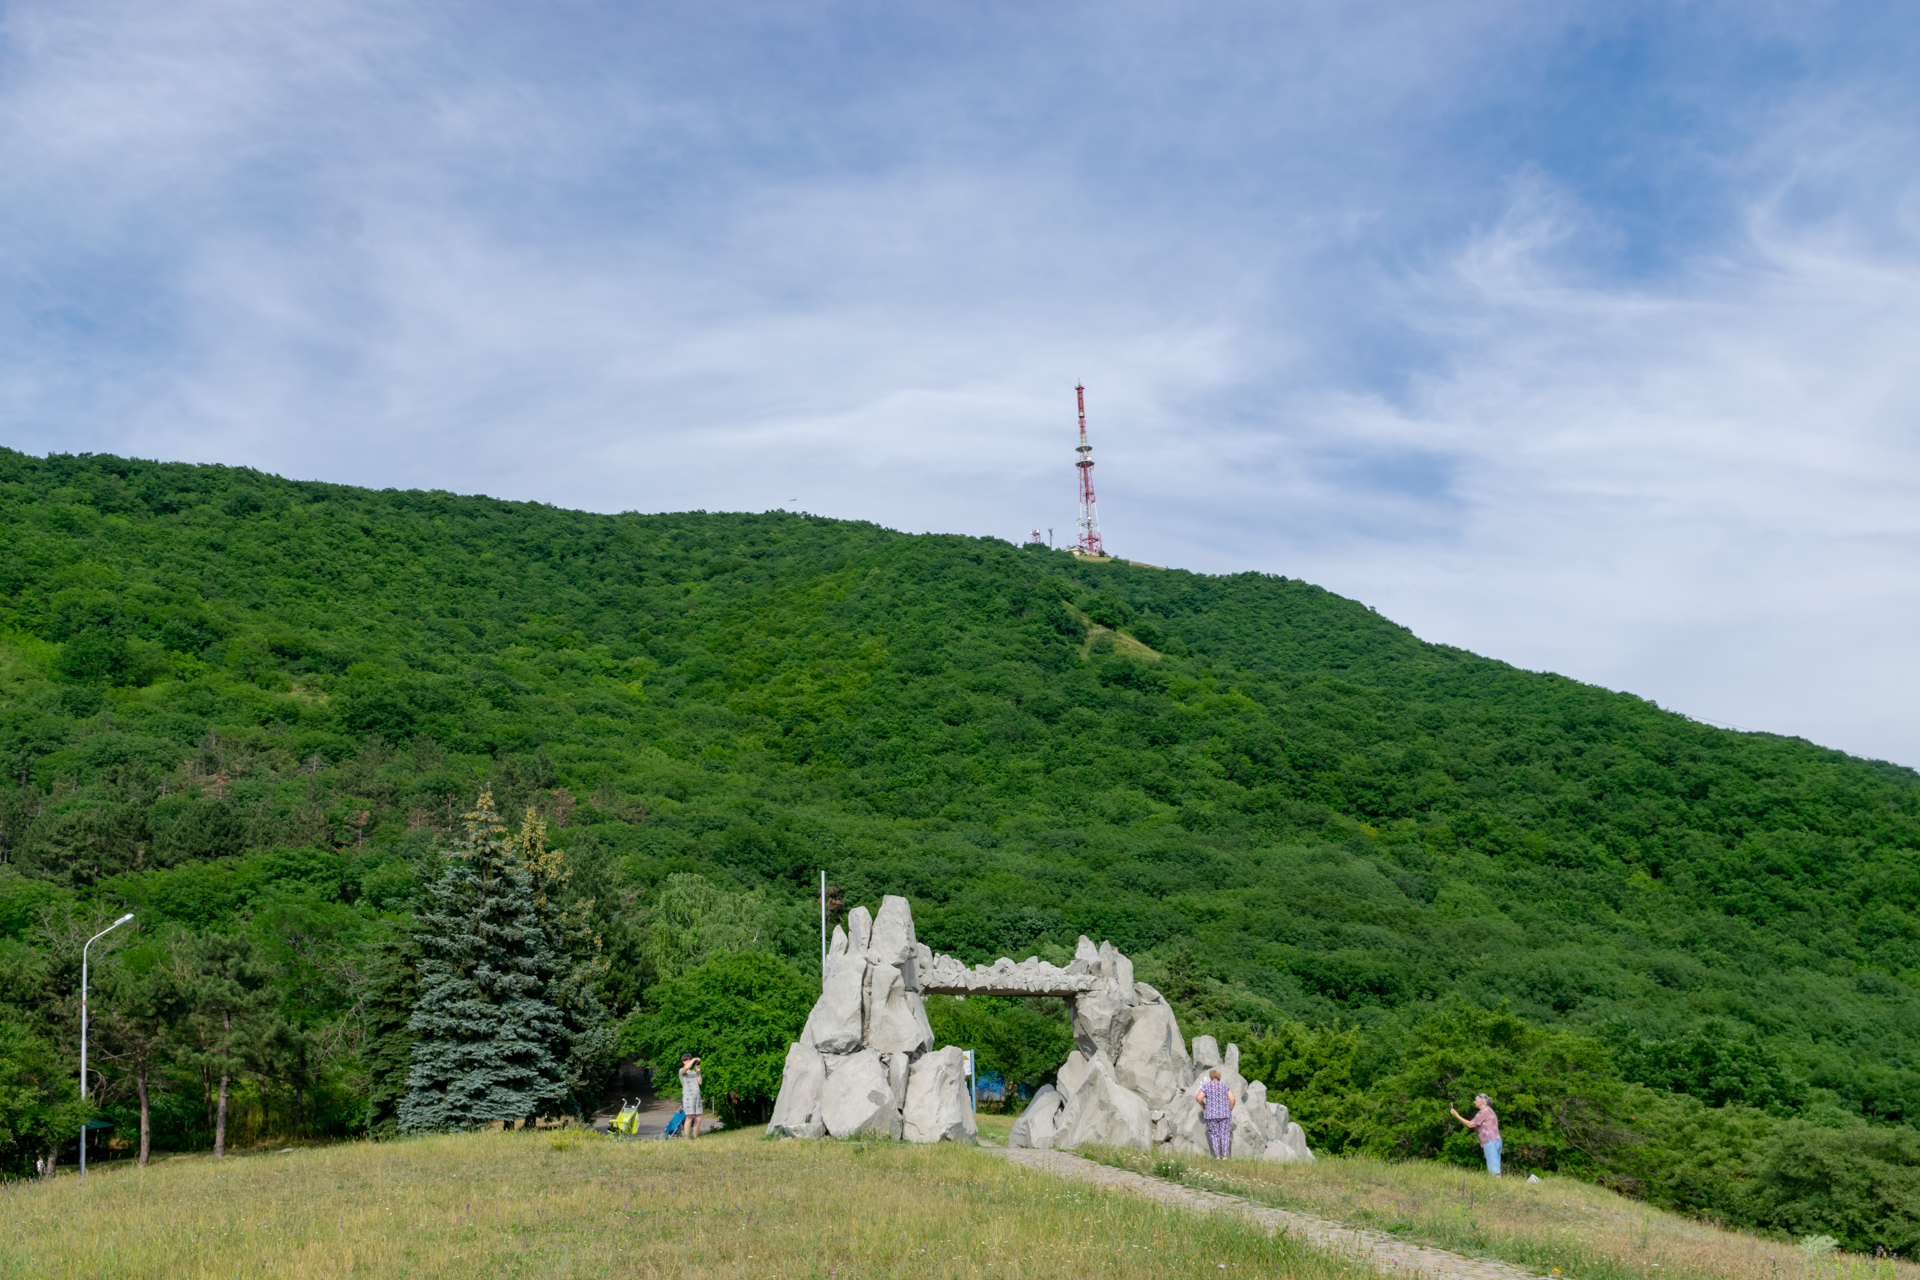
[1089, 544]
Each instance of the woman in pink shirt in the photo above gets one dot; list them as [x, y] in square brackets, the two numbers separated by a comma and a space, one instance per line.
[1488, 1125]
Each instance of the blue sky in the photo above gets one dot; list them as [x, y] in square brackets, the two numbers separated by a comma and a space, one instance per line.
[1582, 335]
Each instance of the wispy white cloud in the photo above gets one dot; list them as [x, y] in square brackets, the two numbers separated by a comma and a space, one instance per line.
[1706, 492]
[1486, 316]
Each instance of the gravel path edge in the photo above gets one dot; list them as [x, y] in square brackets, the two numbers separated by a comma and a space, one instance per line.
[1390, 1254]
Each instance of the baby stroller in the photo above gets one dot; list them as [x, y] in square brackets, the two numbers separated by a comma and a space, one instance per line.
[675, 1125]
[628, 1121]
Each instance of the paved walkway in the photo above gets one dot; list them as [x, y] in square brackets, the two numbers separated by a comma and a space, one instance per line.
[1384, 1251]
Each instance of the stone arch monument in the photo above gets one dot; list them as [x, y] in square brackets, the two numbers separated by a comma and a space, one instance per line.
[865, 1062]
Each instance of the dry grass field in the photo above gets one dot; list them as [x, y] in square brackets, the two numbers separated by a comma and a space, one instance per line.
[547, 1204]
[1584, 1232]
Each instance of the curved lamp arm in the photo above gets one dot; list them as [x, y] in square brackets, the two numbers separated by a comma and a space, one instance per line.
[83, 1028]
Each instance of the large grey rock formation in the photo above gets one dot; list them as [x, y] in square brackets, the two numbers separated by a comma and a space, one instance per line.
[1127, 1042]
[798, 1109]
[858, 1097]
[891, 941]
[865, 1062]
[869, 1036]
[1035, 1126]
[1072, 1072]
[1152, 1061]
[1103, 1016]
[1103, 1112]
[896, 1018]
[1186, 1131]
[838, 1021]
[938, 1107]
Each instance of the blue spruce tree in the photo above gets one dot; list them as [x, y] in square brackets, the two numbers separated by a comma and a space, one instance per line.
[491, 1044]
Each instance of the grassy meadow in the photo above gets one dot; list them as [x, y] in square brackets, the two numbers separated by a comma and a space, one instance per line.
[250, 712]
[1578, 1230]
[549, 1203]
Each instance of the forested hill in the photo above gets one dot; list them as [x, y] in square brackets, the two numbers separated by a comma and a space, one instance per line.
[229, 698]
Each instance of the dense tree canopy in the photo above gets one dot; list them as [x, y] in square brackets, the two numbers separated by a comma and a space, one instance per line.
[236, 703]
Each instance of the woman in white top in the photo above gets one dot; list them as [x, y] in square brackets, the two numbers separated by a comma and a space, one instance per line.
[690, 1093]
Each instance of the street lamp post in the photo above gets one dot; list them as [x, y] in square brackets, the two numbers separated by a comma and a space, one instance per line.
[84, 1020]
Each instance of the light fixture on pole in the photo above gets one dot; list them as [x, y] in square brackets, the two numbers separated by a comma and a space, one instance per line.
[84, 1021]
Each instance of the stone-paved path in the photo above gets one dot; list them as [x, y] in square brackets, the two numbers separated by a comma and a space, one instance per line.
[1384, 1251]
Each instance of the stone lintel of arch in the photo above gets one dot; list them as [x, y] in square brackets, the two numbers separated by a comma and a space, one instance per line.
[1031, 977]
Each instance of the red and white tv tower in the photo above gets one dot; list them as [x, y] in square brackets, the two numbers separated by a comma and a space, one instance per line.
[1089, 544]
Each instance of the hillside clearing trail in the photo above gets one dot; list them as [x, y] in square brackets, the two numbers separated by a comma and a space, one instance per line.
[1382, 1250]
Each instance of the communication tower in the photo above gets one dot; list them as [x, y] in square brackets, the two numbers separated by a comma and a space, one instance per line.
[1089, 544]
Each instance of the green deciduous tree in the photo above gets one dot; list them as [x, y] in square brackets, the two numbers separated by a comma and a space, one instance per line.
[1313, 1071]
[1557, 1095]
[1860, 1185]
[1714, 1062]
[39, 1098]
[223, 984]
[140, 1008]
[693, 919]
[1688, 1156]
[739, 1012]
[1743, 1167]
[1024, 1044]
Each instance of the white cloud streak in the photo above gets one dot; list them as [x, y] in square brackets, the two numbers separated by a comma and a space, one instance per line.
[1708, 494]
[1329, 329]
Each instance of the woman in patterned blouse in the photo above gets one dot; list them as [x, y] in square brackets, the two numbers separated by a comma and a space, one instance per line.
[1487, 1126]
[1216, 1108]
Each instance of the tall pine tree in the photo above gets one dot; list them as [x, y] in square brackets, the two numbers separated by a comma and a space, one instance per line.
[387, 995]
[591, 1049]
[491, 1046]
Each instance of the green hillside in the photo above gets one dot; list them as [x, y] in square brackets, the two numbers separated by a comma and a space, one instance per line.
[230, 698]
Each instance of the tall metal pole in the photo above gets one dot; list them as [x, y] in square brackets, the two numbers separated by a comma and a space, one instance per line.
[83, 1030]
[823, 930]
[1089, 544]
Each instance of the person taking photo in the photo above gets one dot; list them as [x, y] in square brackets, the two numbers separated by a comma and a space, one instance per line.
[690, 1093]
[1488, 1126]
